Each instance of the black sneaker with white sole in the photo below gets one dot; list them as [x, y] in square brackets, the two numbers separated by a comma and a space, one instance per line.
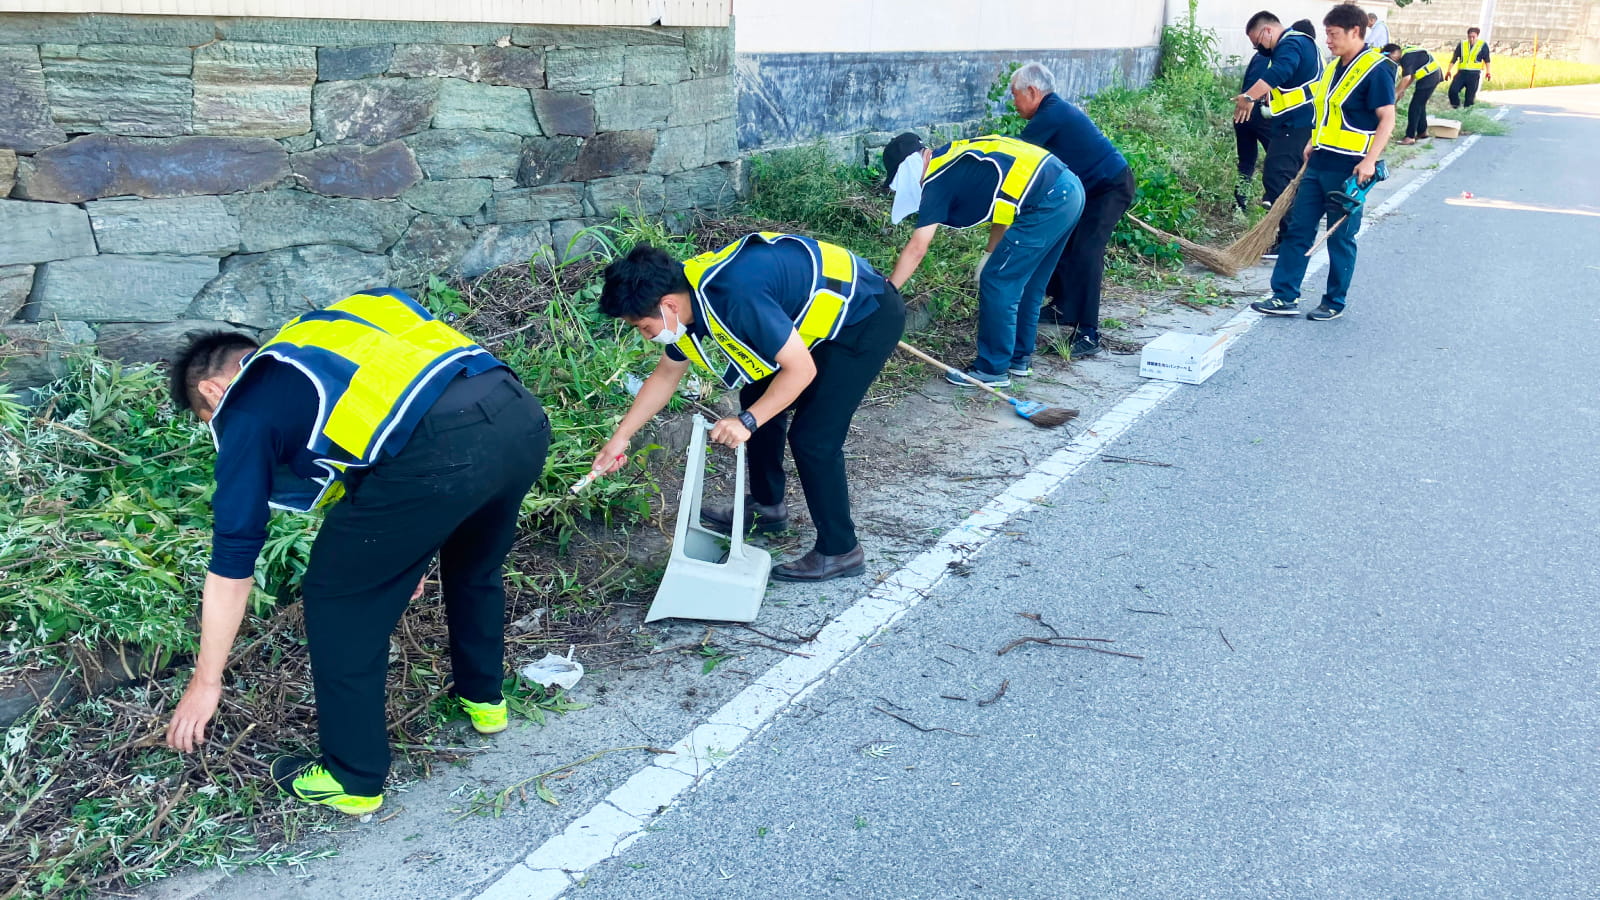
[1276, 306]
[1325, 312]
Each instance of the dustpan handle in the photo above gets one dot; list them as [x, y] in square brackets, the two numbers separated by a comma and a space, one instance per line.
[689, 501]
[736, 547]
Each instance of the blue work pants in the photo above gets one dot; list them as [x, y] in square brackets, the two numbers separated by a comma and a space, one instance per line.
[1311, 205]
[1012, 283]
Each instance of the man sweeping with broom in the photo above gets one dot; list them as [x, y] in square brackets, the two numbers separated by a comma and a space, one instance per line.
[1354, 119]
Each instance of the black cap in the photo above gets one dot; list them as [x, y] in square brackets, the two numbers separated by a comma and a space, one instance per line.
[896, 152]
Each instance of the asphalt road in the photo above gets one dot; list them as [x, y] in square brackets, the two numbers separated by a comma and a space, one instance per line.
[1363, 592]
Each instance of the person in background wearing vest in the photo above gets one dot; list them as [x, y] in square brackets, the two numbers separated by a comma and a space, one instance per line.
[1286, 88]
[1032, 202]
[1377, 31]
[1251, 132]
[1355, 116]
[801, 328]
[417, 442]
[1470, 59]
[1416, 66]
[1108, 185]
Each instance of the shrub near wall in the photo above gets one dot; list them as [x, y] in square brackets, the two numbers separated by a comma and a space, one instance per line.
[160, 174]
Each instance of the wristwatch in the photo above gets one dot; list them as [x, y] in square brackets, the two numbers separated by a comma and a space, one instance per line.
[748, 420]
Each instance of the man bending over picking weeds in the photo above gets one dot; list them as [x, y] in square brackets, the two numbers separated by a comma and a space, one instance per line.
[417, 442]
[801, 328]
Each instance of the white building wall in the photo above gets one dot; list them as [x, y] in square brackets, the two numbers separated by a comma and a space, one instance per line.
[886, 26]
[1228, 18]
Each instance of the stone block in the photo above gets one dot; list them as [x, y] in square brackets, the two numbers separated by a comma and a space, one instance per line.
[451, 197]
[512, 66]
[465, 153]
[702, 100]
[582, 36]
[8, 171]
[556, 201]
[560, 112]
[16, 282]
[119, 88]
[569, 240]
[39, 232]
[678, 149]
[277, 219]
[614, 153]
[103, 165]
[349, 63]
[114, 288]
[583, 68]
[147, 342]
[631, 108]
[264, 290]
[548, 160]
[433, 244]
[356, 170]
[709, 188]
[350, 32]
[655, 65]
[637, 194]
[181, 225]
[722, 141]
[501, 245]
[32, 355]
[434, 61]
[373, 110]
[299, 143]
[90, 28]
[465, 104]
[26, 125]
[503, 184]
[253, 90]
[710, 51]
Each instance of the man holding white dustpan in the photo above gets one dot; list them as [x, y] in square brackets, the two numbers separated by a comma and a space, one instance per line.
[802, 328]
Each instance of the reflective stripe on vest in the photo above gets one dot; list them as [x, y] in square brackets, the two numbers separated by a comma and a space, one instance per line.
[1016, 161]
[1283, 100]
[834, 278]
[1469, 56]
[1424, 70]
[368, 356]
[1332, 131]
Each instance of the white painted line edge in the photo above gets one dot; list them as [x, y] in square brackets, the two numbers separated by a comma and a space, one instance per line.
[605, 831]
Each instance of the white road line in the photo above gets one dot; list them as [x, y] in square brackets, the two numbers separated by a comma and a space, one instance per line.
[612, 825]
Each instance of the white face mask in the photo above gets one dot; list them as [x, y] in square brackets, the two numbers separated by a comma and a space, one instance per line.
[669, 335]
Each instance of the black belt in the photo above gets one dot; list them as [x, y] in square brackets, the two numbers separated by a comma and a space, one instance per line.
[468, 401]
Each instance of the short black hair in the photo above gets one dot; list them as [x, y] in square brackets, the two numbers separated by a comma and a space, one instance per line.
[1474, 30]
[1305, 27]
[1347, 16]
[205, 356]
[635, 285]
[1258, 20]
[1391, 48]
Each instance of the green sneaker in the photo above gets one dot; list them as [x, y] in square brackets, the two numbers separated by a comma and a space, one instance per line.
[487, 718]
[310, 782]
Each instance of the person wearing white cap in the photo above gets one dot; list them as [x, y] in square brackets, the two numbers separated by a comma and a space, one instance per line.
[1032, 202]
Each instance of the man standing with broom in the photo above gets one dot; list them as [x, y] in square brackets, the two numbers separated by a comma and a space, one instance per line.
[1286, 87]
[1354, 119]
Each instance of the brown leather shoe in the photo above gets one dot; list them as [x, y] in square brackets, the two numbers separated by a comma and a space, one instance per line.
[758, 517]
[816, 567]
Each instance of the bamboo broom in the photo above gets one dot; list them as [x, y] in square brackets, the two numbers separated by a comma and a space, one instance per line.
[1244, 252]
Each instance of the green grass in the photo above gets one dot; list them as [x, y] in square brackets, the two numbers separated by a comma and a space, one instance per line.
[1513, 73]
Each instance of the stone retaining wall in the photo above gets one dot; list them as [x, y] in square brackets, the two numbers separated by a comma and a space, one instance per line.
[160, 174]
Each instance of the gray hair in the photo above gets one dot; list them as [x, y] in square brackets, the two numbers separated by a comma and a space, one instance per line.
[1033, 75]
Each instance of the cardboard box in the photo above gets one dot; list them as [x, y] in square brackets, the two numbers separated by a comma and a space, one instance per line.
[1443, 128]
[1189, 358]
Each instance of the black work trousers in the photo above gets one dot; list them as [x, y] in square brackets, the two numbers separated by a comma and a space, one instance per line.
[1286, 149]
[1465, 80]
[818, 421]
[1075, 284]
[1249, 140]
[1417, 113]
[454, 489]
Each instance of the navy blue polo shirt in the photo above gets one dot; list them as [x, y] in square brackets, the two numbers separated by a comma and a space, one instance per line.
[1064, 130]
[1416, 59]
[758, 294]
[1360, 110]
[961, 194]
[1294, 62]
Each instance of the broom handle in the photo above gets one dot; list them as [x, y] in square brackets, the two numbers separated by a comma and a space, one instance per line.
[1327, 234]
[964, 376]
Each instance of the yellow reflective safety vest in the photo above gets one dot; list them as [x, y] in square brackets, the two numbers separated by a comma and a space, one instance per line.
[1017, 161]
[1469, 56]
[377, 361]
[1289, 99]
[835, 274]
[1424, 70]
[1332, 131]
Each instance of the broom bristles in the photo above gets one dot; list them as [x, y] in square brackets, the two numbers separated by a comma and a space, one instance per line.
[1242, 253]
[1052, 417]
